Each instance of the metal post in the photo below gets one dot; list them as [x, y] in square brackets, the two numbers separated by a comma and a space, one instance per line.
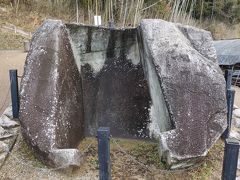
[230, 160]
[104, 153]
[14, 92]
[230, 103]
[228, 78]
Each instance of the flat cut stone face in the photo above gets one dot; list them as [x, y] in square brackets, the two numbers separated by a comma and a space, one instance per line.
[192, 83]
[115, 92]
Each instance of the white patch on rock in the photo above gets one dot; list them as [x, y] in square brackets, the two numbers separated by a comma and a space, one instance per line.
[133, 54]
[95, 59]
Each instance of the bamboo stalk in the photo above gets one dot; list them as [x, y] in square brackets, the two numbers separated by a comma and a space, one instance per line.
[135, 16]
[109, 10]
[190, 12]
[129, 12]
[17, 6]
[201, 13]
[185, 10]
[112, 16]
[180, 10]
[77, 11]
[121, 10]
[173, 9]
[96, 10]
[89, 15]
[125, 13]
[151, 5]
[213, 7]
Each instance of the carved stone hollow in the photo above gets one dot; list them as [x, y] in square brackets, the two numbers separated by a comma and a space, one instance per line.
[160, 81]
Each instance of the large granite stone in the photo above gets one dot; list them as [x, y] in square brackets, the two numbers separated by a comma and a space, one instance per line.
[158, 81]
[192, 85]
[51, 106]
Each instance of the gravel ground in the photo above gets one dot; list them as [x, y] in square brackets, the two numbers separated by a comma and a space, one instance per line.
[21, 164]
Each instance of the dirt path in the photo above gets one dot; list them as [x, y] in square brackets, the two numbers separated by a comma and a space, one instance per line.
[9, 59]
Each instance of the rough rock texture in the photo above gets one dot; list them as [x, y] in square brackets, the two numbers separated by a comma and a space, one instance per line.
[192, 85]
[6, 122]
[51, 106]
[235, 126]
[9, 129]
[159, 81]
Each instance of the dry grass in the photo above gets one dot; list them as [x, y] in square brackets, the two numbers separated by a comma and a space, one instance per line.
[11, 41]
[22, 163]
[124, 13]
[221, 30]
[29, 21]
[128, 13]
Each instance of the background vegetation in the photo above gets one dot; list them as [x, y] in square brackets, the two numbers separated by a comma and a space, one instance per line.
[221, 17]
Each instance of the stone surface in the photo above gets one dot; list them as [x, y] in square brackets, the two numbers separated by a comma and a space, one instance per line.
[235, 132]
[51, 106]
[236, 113]
[115, 92]
[65, 158]
[4, 133]
[236, 122]
[8, 134]
[8, 112]
[192, 85]
[6, 146]
[235, 107]
[235, 126]
[6, 122]
[236, 118]
[159, 81]
[3, 147]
